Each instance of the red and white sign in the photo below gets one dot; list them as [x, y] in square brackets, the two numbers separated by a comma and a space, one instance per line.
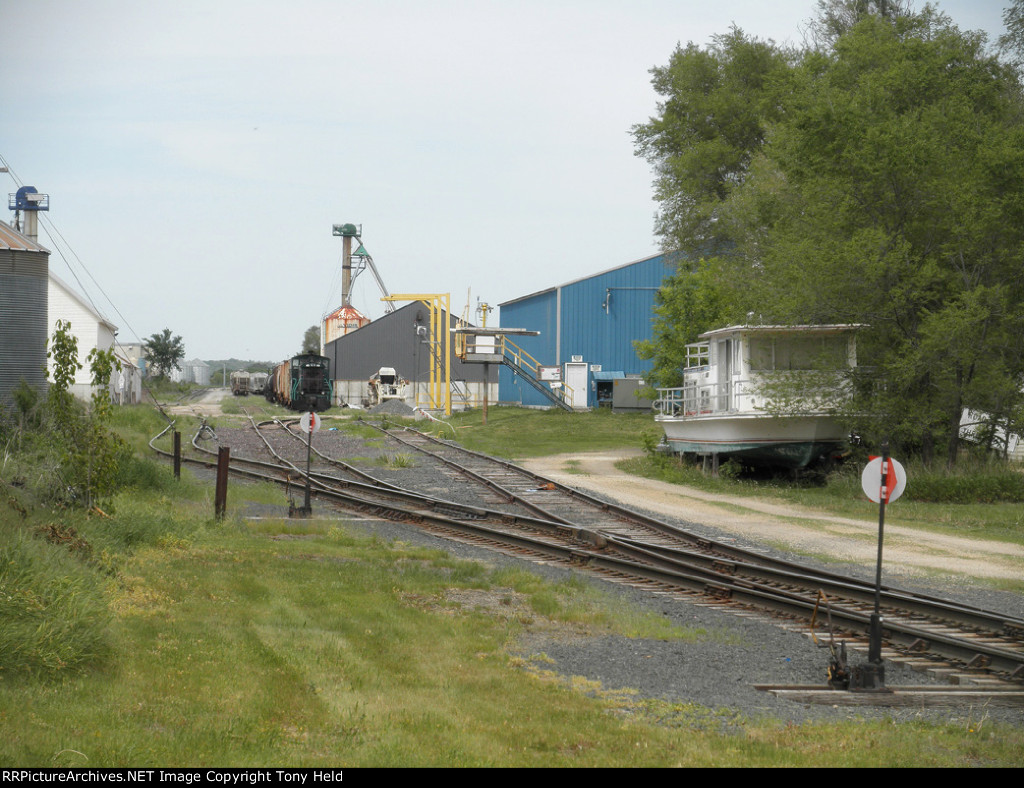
[895, 480]
[309, 423]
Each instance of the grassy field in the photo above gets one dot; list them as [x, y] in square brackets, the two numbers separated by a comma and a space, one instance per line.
[516, 433]
[154, 635]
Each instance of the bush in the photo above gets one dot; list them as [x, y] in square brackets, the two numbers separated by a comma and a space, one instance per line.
[990, 485]
[971, 481]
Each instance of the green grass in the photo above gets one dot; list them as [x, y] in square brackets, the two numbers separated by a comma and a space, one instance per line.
[523, 432]
[394, 460]
[243, 649]
[167, 638]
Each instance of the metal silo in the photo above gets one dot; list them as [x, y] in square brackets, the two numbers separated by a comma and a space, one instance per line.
[24, 272]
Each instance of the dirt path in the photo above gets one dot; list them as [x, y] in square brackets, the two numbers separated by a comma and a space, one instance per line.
[207, 405]
[907, 551]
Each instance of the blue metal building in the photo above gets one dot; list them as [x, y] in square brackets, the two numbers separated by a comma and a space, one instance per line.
[597, 318]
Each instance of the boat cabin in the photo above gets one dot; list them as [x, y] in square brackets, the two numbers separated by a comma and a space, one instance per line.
[722, 406]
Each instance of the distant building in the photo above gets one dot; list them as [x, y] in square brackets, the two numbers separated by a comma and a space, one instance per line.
[195, 371]
[588, 328]
[401, 340]
[24, 295]
[126, 383]
[134, 352]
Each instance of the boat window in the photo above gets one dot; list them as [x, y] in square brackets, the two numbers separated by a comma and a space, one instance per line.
[797, 352]
[697, 355]
[761, 356]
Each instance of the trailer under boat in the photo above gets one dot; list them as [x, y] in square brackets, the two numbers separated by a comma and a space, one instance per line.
[722, 408]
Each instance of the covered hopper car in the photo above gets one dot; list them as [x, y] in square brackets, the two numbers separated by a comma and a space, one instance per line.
[240, 383]
[301, 383]
[257, 380]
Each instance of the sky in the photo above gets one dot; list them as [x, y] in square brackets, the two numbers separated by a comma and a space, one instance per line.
[197, 154]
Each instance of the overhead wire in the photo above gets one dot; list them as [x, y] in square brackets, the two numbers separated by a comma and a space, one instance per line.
[57, 239]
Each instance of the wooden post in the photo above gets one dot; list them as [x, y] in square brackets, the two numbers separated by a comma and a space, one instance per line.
[220, 500]
[177, 455]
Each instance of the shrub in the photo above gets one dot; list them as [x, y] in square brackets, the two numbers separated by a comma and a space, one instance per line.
[990, 485]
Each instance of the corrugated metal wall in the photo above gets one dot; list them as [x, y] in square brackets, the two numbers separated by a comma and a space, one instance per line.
[23, 328]
[392, 341]
[598, 317]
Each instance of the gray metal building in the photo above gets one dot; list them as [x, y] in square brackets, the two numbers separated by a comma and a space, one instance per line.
[24, 278]
[401, 340]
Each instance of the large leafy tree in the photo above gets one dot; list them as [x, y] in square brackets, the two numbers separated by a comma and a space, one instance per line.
[719, 104]
[886, 187]
[311, 340]
[164, 352]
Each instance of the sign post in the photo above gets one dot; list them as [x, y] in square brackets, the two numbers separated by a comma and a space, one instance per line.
[883, 481]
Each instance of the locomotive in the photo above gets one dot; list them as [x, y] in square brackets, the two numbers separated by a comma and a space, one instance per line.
[302, 382]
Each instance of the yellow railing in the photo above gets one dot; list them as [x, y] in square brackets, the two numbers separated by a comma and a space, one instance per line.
[517, 355]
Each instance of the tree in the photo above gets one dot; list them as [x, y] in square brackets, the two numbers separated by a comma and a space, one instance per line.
[886, 187]
[836, 17]
[1011, 43]
[90, 452]
[719, 104]
[164, 352]
[311, 340]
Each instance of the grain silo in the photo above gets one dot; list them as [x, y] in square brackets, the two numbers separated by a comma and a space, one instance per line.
[24, 277]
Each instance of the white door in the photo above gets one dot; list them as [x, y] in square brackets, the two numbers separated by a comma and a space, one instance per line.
[575, 377]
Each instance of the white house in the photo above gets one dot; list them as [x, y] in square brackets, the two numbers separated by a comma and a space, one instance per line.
[91, 330]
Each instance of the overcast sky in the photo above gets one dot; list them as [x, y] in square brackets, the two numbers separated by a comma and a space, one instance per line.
[196, 154]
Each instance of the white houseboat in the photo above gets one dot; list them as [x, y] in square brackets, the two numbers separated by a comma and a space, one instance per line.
[725, 406]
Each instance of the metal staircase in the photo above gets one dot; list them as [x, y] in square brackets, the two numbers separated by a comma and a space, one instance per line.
[527, 367]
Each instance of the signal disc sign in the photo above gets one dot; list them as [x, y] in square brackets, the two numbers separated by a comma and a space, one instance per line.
[895, 480]
[309, 423]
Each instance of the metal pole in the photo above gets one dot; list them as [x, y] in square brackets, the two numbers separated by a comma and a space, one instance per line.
[177, 455]
[447, 356]
[875, 644]
[306, 506]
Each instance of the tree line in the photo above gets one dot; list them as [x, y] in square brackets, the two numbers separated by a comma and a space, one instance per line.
[874, 175]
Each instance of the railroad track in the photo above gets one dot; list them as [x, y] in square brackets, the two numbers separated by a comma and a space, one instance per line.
[583, 531]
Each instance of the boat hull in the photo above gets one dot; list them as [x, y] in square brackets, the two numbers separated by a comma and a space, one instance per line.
[758, 439]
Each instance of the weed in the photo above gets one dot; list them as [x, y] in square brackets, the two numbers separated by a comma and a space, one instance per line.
[399, 460]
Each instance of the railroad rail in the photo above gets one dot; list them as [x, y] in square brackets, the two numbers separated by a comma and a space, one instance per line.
[583, 531]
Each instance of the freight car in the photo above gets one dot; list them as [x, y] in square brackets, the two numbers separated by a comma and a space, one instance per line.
[257, 380]
[240, 383]
[301, 383]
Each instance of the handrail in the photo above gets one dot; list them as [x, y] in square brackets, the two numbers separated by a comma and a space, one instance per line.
[565, 392]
